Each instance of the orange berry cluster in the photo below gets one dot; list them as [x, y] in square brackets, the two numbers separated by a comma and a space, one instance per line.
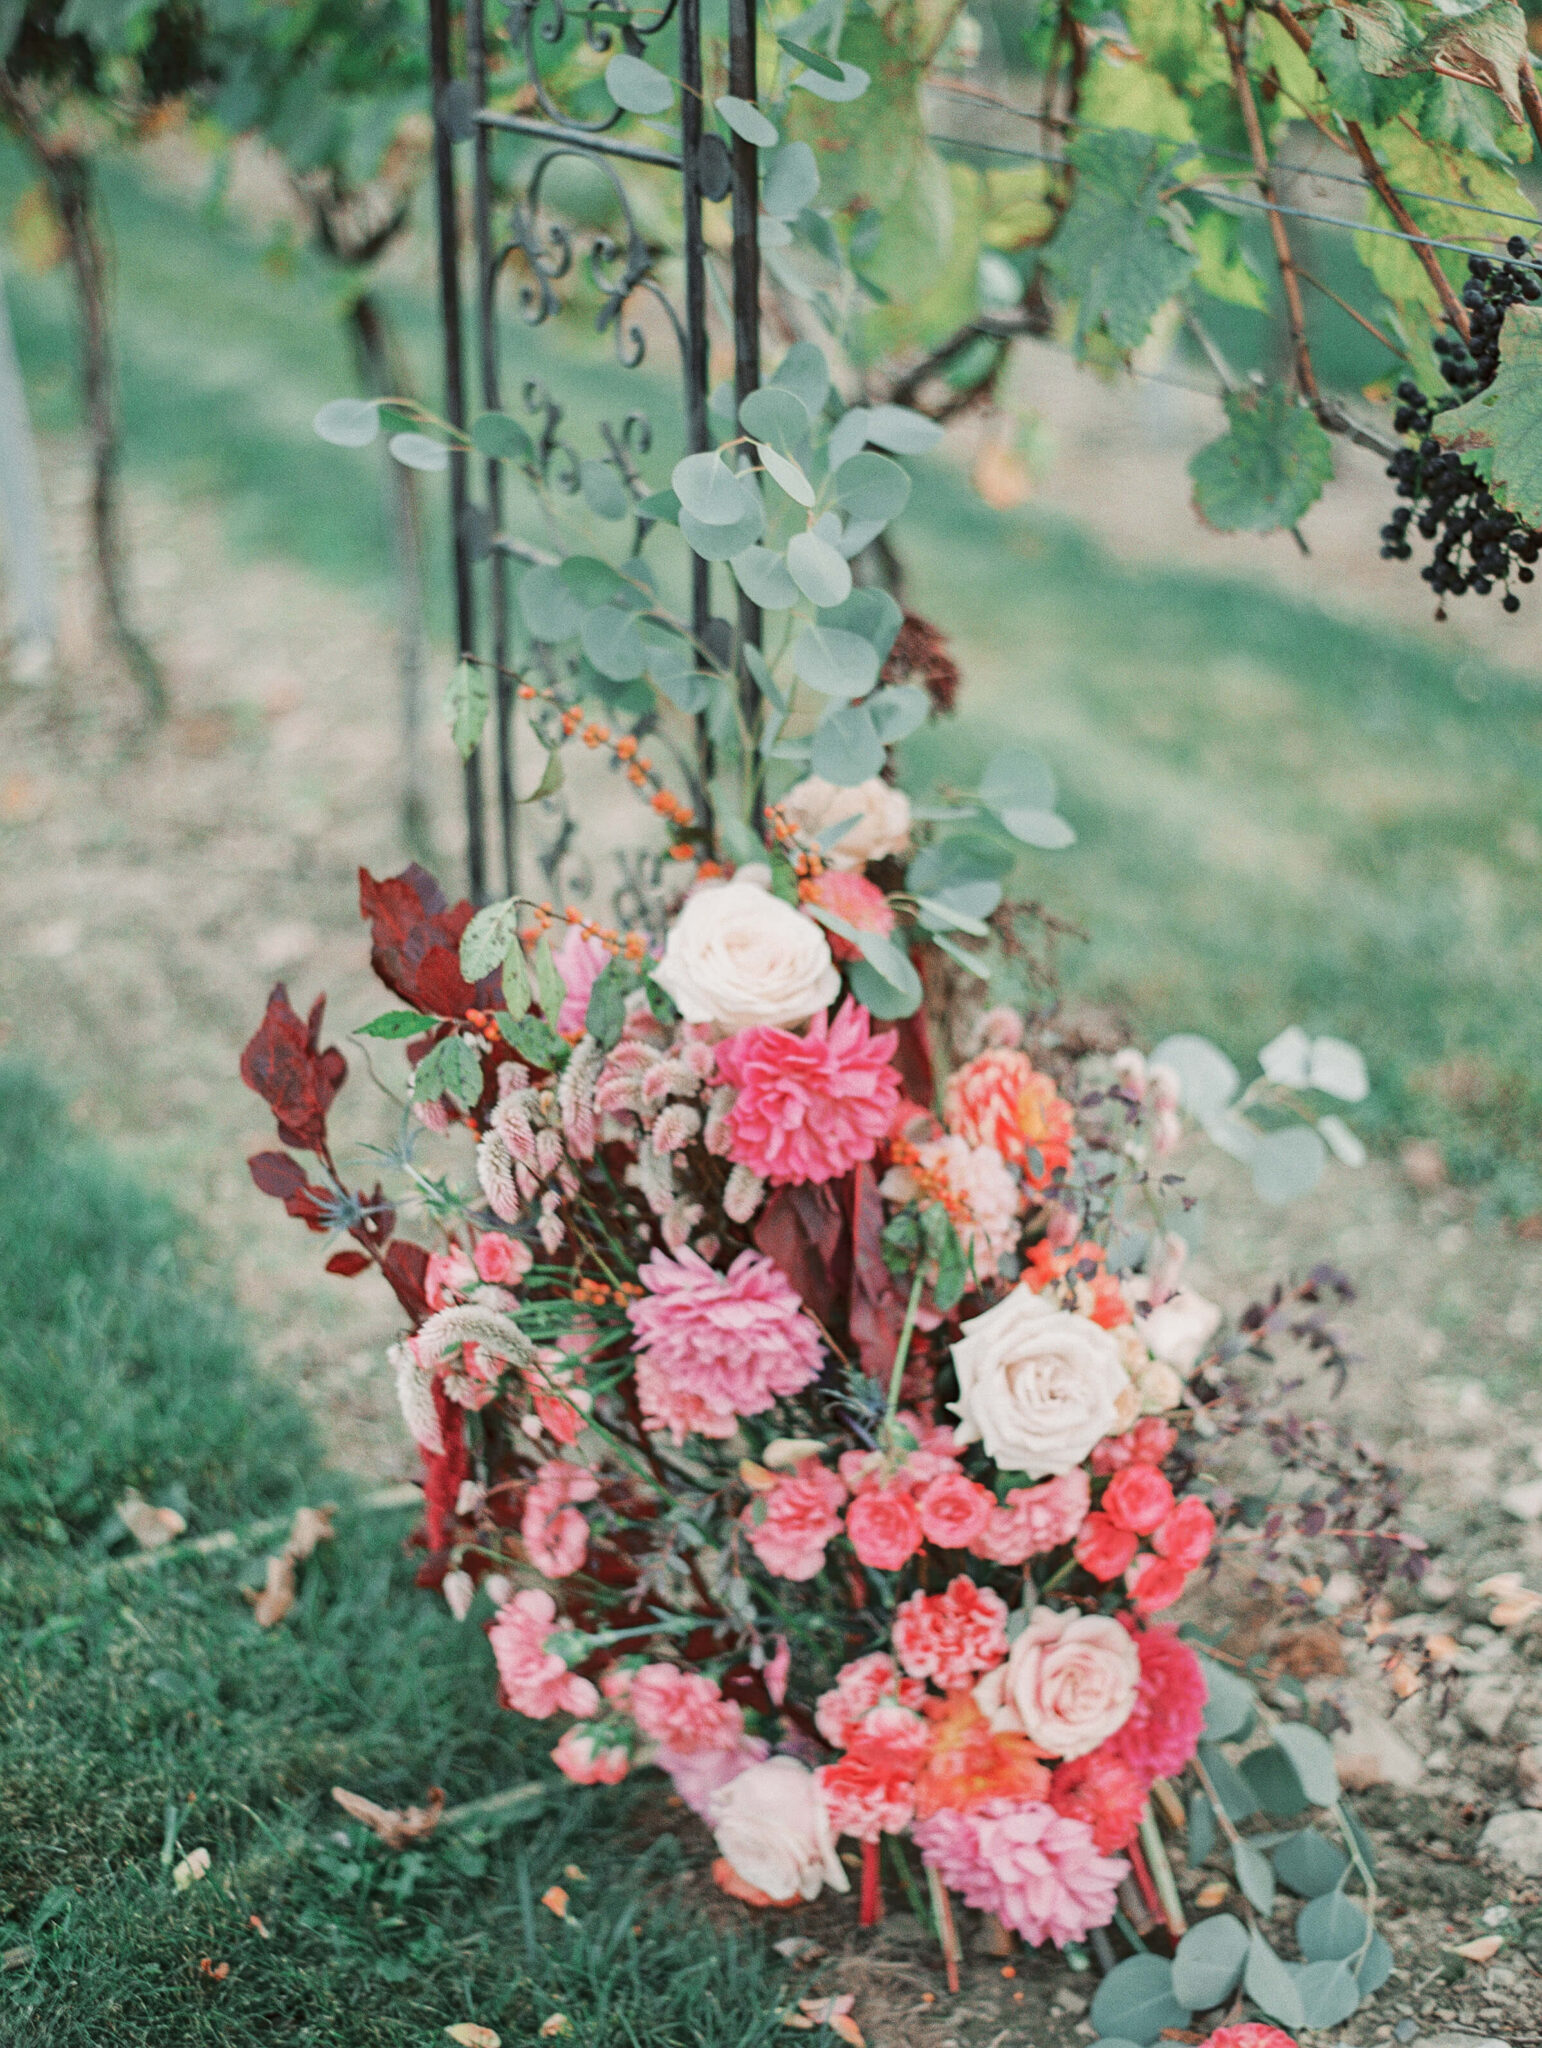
[638, 767]
[930, 1186]
[807, 863]
[634, 946]
[589, 1293]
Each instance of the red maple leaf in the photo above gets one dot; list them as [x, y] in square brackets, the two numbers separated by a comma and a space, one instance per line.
[285, 1064]
[415, 936]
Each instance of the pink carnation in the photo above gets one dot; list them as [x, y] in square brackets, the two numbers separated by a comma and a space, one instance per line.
[810, 1107]
[555, 1534]
[580, 960]
[871, 1791]
[588, 1759]
[1036, 1518]
[951, 1637]
[534, 1680]
[955, 1510]
[682, 1710]
[859, 1687]
[1164, 1724]
[789, 1527]
[1038, 1871]
[737, 1340]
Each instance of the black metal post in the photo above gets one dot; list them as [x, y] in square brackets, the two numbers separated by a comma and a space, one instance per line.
[487, 349]
[746, 283]
[455, 404]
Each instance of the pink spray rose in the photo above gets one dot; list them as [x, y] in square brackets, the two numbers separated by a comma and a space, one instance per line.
[810, 1106]
[501, 1260]
[955, 1510]
[884, 1525]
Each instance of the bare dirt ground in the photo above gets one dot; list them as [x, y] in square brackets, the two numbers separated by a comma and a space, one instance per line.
[152, 888]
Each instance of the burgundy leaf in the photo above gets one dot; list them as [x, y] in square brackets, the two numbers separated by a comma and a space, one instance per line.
[284, 1063]
[804, 1231]
[406, 1267]
[276, 1173]
[876, 1312]
[443, 1471]
[347, 1263]
[415, 939]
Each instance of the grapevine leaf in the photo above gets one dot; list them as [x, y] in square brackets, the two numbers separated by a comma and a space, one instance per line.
[1337, 54]
[1266, 470]
[1116, 249]
[1489, 43]
[1507, 417]
[1382, 35]
[467, 701]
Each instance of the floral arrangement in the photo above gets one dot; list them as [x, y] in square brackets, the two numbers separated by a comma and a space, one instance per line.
[801, 1359]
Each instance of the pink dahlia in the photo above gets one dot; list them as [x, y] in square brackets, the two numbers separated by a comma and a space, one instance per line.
[668, 1406]
[856, 901]
[1162, 1731]
[810, 1107]
[789, 1527]
[1105, 1792]
[858, 1689]
[1037, 1870]
[1035, 1519]
[951, 1637]
[532, 1679]
[682, 1710]
[580, 960]
[737, 1340]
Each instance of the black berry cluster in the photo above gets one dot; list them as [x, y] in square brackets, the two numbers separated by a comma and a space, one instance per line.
[1478, 544]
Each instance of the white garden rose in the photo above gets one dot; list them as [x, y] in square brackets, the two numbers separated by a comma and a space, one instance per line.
[773, 1829]
[1069, 1682]
[1037, 1385]
[881, 815]
[1175, 1329]
[737, 955]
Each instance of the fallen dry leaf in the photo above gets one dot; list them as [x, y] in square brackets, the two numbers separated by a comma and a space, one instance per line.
[798, 1948]
[467, 2034]
[1001, 478]
[209, 1968]
[554, 2024]
[1483, 1950]
[149, 1526]
[254, 1920]
[1403, 1677]
[1441, 1648]
[555, 1900]
[395, 1826]
[834, 2013]
[1211, 1895]
[571, 1870]
[194, 1865]
[1514, 1601]
[756, 1477]
[309, 1527]
[783, 1452]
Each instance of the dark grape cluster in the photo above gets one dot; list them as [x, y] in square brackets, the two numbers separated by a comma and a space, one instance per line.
[1478, 544]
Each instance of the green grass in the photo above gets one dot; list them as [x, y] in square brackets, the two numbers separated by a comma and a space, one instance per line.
[1283, 816]
[141, 1709]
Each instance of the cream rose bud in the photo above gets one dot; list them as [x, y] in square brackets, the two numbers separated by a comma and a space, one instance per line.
[880, 816]
[1037, 1385]
[737, 955]
[1069, 1682]
[1157, 1387]
[1177, 1329]
[772, 1827]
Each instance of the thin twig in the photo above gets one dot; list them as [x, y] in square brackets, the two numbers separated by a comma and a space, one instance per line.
[1295, 311]
[1344, 307]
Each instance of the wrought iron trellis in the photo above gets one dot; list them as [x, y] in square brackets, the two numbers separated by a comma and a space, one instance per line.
[507, 225]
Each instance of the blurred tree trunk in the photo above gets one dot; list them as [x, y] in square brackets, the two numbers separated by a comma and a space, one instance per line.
[67, 174]
[23, 522]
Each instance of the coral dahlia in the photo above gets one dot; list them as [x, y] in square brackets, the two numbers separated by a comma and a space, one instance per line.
[1000, 1099]
[810, 1106]
[1106, 1793]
